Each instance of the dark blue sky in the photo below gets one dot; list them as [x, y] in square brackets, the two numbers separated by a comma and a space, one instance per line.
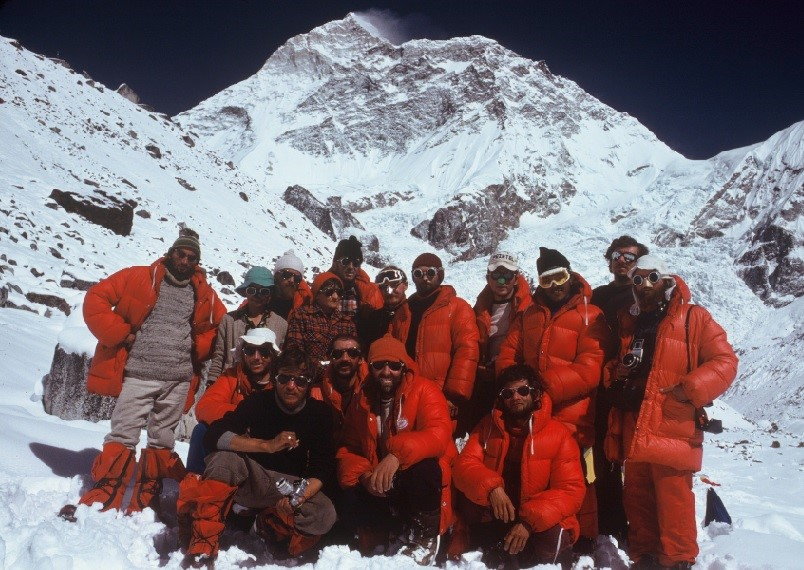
[704, 75]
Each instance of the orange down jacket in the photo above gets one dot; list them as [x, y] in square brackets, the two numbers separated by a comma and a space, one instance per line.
[326, 392]
[119, 304]
[567, 349]
[522, 299]
[225, 394]
[421, 429]
[691, 350]
[553, 484]
[447, 342]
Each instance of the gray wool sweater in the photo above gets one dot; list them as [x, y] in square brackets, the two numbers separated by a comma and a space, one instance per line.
[162, 348]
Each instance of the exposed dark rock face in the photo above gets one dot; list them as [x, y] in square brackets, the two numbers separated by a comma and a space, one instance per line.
[128, 93]
[768, 267]
[331, 218]
[72, 282]
[99, 208]
[225, 278]
[65, 389]
[49, 300]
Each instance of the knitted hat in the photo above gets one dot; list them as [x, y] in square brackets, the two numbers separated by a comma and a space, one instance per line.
[350, 248]
[188, 239]
[390, 273]
[260, 336]
[387, 348]
[550, 259]
[503, 259]
[288, 260]
[427, 260]
[257, 275]
[322, 278]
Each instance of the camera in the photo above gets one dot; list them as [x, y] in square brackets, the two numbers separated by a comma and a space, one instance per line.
[633, 357]
[293, 491]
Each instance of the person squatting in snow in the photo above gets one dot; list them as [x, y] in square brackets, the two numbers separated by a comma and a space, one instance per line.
[386, 381]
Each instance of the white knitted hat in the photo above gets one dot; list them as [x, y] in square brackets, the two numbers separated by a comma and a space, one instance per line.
[289, 260]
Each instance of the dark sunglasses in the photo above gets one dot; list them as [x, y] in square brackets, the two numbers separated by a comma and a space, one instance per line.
[190, 257]
[337, 353]
[390, 277]
[394, 365]
[264, 350]
[328, 291]
[350, 261]
[653, 277]
[299, 381]
[628, 257]
[284, 275]
[508, 393]
[502, 277]
[430, 272]
[258, 291]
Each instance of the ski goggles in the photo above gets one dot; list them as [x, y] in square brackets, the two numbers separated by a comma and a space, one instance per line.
[421, 272]
[251, 350]
[653, 277]
[557, 276]
[508, 393]
[299, 381]
[330, 289]
[258, 291]
[501, 276]
[286, 274]
[394, 365]
[628, 257]
[389, 277]
[337, 353]
[353, 261]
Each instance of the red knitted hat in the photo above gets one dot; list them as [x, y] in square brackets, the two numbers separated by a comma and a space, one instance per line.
[322, 278]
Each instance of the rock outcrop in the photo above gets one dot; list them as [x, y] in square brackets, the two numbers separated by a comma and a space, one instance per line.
[65, 389]
[99, 208]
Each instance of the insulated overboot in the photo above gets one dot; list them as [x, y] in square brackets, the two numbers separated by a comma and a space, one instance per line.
[111, 470]
[153, 466]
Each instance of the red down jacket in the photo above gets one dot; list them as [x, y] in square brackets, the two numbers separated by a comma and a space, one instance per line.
[231, 388]
[119, 304]
[421, 430]
[567, 349]
[691, 350]
[326, 392]
[447, 342]
[553, 484]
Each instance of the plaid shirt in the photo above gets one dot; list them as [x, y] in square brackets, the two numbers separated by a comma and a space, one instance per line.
[350, 300]
[311, 330]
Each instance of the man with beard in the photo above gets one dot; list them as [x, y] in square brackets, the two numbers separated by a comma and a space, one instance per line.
[272, 435]
[393, 284]
[440, 334]
[612, 298]
[291, 290]
[396, 455]
[563, 338]
[520, 478]
[673, 360]
[155, 327]
[359, 293]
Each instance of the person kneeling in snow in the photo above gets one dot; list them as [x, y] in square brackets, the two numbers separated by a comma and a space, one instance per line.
[521, 479]
[673, 359]
[273, 435]
[396, 454]
[155, 327]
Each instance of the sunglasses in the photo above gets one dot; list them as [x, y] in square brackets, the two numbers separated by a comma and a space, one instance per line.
[394, 365]
[501, 277]
[354, 262]
[328, 291]
[337, 353]
[627, 256]
[258, 291]
[508, 393]
[299, 381]
[285, 274]
[430, 272]
[390, 277]
[190, 257]
[251, 350]
[557, 276]
[653, 277]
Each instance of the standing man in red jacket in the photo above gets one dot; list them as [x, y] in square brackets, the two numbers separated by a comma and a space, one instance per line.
[359, 292]
[396, 454]
[520, 477]
[673, 360]
[563, 338]
[155, 327]
[440, 334]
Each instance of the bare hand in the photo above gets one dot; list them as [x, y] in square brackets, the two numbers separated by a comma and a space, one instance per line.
[283, 441]
[381, 479]
[501, 505]
[453, 410]
[676, 392]
[515, 540]
[128, 342]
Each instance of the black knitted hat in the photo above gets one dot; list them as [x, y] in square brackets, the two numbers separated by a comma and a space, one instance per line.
[550, 259]
[351, 248]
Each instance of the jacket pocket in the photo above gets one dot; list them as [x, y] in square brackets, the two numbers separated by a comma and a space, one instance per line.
[678, 418]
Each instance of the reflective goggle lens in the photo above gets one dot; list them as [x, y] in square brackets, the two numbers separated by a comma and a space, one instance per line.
[653, 277]
[394, 365]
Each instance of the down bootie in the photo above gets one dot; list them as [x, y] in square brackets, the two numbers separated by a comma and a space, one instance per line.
[422, 540]
[111, 470]
[153, 466]
[275, 528]
[207, 501]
